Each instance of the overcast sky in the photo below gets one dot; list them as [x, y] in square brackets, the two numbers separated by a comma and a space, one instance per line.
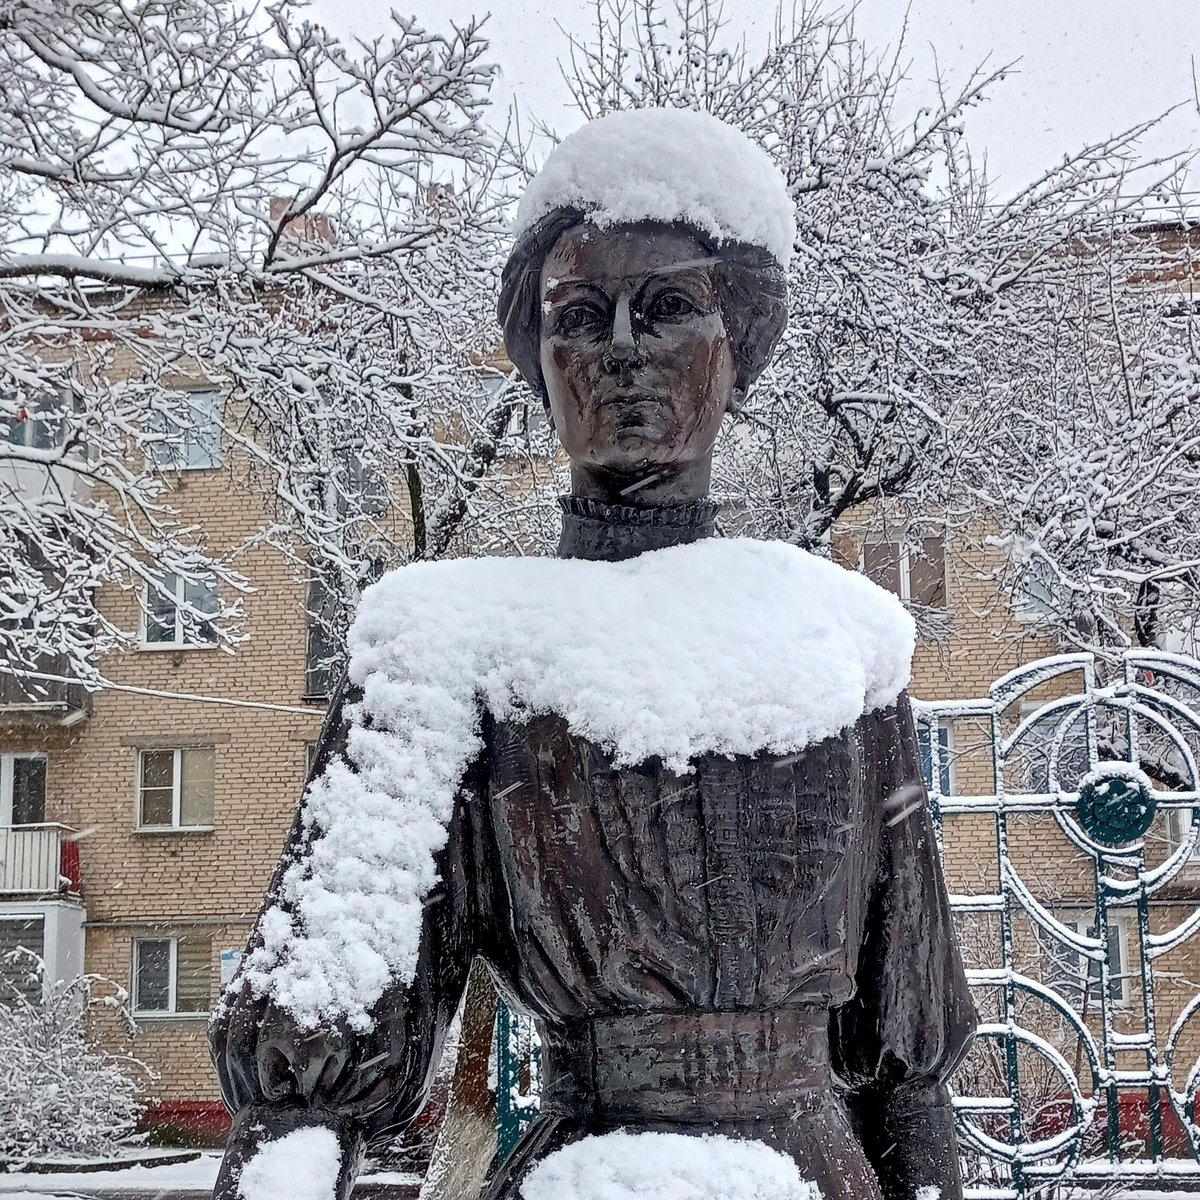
[1087, 67]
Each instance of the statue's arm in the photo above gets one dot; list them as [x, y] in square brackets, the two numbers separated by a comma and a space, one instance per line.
[911, 1019]
[276, 1078]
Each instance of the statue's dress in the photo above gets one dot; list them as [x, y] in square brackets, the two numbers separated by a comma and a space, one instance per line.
[761, 948]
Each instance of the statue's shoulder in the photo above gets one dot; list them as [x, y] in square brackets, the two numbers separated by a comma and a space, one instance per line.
[726, 645]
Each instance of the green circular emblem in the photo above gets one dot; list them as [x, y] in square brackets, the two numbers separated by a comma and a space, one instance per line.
[1115, 808]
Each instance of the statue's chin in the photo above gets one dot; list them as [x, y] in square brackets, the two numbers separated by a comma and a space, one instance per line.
[637, 454]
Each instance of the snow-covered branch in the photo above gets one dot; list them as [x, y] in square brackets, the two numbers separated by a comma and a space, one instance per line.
[228, 241]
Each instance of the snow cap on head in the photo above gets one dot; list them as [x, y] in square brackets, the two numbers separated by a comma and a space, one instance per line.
[667, 164]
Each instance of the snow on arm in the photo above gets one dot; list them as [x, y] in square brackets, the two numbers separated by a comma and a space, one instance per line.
[667, 164]
[732, 647]
[666, 1166]
[302, 1165]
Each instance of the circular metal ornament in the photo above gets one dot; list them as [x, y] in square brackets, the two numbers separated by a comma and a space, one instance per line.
[1115, 808]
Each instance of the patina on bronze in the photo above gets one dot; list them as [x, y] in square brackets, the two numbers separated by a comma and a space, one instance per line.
[761, 948]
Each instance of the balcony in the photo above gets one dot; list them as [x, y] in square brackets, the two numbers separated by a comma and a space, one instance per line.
[26, 701]
[39, 860]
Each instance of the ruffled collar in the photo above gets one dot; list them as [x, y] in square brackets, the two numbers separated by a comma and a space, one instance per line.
[602, 532]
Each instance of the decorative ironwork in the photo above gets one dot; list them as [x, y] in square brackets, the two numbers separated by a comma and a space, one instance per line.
[1116, 808]
[1082, 930]
[517, 1078]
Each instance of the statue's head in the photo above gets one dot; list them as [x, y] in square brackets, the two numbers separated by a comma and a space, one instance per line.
[642, 314]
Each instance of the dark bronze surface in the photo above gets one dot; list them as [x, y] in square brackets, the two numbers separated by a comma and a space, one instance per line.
[760, 948]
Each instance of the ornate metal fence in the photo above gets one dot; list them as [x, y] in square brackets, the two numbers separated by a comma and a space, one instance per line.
[1068, 806]
[1067, 802]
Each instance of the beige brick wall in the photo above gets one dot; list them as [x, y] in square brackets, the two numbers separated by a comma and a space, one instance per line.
[163, 883]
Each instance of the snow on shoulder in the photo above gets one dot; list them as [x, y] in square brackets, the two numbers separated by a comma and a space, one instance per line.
[667, 164]
[724, 646]
[666, 1166]
[302, 1165]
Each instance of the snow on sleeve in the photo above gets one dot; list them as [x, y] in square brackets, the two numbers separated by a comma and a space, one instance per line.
[666, 1166]
[667, 164]
[724, 646]
[302, 1165]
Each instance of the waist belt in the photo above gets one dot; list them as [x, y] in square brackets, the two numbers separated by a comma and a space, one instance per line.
[687, 1066]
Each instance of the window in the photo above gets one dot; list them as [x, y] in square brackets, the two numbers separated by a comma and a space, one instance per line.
[1035, 751]
[361, 487]
[529, 414]
[39, 423]
[1077, 978]
[946, 764]
[192, 444]
[1034, 592]
[169, 617]
[22, 789]
[1179, 829]
[175, 788]
[18, 972]
[172, 975]
[323, 656]
[917, 574]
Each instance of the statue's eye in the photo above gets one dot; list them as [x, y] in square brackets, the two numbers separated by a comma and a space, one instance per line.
[576, 318]
[671, 305]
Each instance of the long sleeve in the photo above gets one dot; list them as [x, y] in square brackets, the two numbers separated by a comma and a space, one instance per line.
[276, 1078]
[911, 1019]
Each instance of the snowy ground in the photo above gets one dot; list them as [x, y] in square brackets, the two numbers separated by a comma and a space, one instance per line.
[194, 1178]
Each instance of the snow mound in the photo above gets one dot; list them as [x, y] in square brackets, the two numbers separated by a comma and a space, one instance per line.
[667, 164]
[666, 1166]
[724, 646]
[302, 1165]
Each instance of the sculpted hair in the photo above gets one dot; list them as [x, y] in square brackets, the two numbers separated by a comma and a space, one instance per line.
[750, 283]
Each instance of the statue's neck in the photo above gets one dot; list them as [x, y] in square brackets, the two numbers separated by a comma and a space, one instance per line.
[603, 532]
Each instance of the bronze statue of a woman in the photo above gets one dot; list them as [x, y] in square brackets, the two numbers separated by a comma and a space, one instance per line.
[674, 800]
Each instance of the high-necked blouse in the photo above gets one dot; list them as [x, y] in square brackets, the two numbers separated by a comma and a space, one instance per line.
[761, 947]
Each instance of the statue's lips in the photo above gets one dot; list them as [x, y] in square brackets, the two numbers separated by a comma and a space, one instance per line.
[631, 399]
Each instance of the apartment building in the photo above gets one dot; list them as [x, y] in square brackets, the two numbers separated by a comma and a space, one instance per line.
[140, 824]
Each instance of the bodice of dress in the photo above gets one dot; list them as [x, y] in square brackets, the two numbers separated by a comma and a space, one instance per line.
[741, 885]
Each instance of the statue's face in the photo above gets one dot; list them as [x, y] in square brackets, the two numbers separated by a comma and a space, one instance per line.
[637, 361]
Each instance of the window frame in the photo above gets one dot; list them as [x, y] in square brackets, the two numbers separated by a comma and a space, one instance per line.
[1118, 928]
[321, 656]
[172, 1012]
[949, 757]
[59, 394]
[1176, 836]
[904, 561]
[162, 455]
[180, 640]
[1030, 598]
[7, 779]
[177, 753]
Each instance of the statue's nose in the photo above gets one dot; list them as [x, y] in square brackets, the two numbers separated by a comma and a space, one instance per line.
[623, 349]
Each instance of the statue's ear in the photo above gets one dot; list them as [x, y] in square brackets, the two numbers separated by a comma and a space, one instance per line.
[737, 400]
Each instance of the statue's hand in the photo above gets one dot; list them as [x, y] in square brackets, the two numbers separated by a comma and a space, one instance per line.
[310, 1066]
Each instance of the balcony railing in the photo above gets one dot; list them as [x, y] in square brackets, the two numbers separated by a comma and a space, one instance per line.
[38, 860]
[55, 701]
